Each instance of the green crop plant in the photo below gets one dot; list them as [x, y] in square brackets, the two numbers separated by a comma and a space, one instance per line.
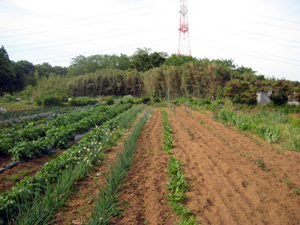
[178, 186]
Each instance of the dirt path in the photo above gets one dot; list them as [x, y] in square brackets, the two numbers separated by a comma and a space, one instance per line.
[145, 186]
[227, 188]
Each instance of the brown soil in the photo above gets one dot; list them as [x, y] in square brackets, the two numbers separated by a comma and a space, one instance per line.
[20, 109]
[227, 187]
[32, 167]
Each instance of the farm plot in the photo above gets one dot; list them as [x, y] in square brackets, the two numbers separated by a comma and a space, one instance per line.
[233, 179]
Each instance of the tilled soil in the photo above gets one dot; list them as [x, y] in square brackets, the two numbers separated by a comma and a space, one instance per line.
[227, 186]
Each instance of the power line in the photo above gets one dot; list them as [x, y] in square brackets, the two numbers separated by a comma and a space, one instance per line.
[111, 49]
[250, 32]
[110, 31]
[86, 18]
[246, 54]
[258, 21]
[254, 14]
[89, 40]
[249, 50]
[83, 25]
[292, 46]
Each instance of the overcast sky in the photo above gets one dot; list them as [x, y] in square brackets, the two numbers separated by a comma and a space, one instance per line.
[261, 34]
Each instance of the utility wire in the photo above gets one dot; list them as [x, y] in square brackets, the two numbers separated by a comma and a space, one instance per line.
[259, 39]
[250, 32]
[83, 25]
[254, 14]
[103, 32]
[96, 51]
[95, 39]
[86, 18]
[242, 53]
[269, 24]
[247, 50]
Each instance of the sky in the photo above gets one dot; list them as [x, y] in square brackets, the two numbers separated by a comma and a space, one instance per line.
[261, 34]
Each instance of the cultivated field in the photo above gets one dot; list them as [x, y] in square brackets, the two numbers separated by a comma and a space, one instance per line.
[233, 178]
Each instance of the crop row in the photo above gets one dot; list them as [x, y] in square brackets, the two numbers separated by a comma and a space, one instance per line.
[178, 187]
[37, 138]
[168, 138]
[106, 203]
[51, 171]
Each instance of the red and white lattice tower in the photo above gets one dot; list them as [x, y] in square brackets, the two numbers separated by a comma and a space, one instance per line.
[184, 47]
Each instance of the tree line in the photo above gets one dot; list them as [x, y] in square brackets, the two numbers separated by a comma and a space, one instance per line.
[143, 73]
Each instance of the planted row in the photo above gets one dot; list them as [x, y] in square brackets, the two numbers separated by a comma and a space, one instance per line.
[35, 132]
[53, 169]
[58, 137]
[106, 204]
[178, 187]
[168, 138]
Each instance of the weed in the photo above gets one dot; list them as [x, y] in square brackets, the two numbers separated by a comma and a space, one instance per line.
[23, 172]
[287, 183]
[297, 192]
[13, 178]
[280, 180]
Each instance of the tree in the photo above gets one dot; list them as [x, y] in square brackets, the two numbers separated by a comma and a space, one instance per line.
[22, 69]
[145, 62]
[281, 89]
[7, 74]
[179, 60]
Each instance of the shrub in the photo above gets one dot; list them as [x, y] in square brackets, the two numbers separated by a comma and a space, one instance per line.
[145, 100]
[38, 100]
[156, 100]
[109, 101]
[129, 100]
[81, 102]
[50, 101]
[8, 98]
[281, 89]
[242, 91]
[296, 122]
[204, 102]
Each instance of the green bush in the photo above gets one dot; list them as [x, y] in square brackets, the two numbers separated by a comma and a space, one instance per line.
[38, 100]
[145, 100]
[129, 100]
[204, 102]
[50, 101]
[109, 101]
[8, 98]
[156, 100]
[121, 102]
[81, 102]
[296, 122]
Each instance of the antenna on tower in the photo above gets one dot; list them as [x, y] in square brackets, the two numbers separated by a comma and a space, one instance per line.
[184, 47]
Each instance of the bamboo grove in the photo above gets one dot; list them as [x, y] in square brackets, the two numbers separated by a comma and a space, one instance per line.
[192, 78]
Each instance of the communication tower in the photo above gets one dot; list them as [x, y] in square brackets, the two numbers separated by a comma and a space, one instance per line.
[184, 47]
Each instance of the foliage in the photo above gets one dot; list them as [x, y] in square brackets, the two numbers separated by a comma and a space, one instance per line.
[80, 101]
[168, 138]
[281, 89]
[240, 92]
[7, 73]
[296, 122]
[79, 154]
[297, 93]
[144, 62]
[109, 101]
[178, 187]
